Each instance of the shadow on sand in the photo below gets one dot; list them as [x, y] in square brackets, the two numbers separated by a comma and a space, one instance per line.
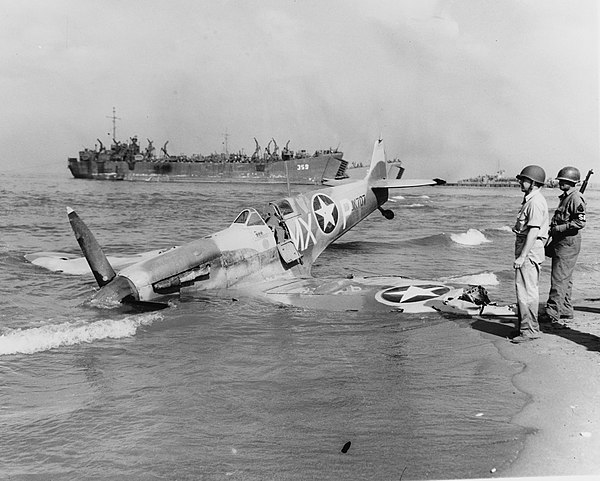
[505, 328]
[590, 341]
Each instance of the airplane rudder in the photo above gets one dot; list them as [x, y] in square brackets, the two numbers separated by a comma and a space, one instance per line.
[377, 169]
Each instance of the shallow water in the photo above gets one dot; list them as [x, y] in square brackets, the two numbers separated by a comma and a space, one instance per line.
[219, 389]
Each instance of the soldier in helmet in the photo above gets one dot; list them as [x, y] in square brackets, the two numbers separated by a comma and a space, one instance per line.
[531, 230]
[568, 220]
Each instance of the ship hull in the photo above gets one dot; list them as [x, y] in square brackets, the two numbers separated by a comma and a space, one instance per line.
[309, 170]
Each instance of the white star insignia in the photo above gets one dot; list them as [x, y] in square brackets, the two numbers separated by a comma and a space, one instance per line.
[417, 292]
[326, 212]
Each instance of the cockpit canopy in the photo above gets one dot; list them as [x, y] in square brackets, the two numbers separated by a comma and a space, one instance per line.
[249, 217]
[284, 206]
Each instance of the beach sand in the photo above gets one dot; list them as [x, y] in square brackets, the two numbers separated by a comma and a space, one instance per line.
[561, 373]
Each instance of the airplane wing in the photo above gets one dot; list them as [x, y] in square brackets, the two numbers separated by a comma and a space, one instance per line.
[366, 294]
[404, 183]
[334, 182]
[77, 265]
[389, 294]
[388, 183]
[371, 294]
[378, 293]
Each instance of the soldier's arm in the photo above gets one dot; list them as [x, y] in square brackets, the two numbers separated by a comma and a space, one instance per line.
[576, 217]
[532, 234]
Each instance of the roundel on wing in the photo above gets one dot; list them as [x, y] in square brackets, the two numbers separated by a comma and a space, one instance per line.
[412, 294]
[326, 212]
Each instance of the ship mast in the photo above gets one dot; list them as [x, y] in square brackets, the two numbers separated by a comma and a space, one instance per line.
[114, 122]
[226, 142]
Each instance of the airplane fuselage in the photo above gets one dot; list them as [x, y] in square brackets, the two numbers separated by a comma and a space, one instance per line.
[281, 244]
[249, 250]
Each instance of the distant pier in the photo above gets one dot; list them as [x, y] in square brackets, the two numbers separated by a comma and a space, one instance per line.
[484, 183]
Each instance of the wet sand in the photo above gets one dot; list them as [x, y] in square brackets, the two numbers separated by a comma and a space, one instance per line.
[561, 373]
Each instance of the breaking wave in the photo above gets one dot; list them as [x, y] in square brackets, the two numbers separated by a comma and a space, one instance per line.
[472, 237]
[481, 279]
[432, 240]
[38, 339]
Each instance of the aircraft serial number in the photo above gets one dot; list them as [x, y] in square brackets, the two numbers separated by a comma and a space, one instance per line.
[359, 201]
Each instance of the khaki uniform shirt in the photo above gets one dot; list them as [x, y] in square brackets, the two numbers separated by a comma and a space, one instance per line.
[533, 213]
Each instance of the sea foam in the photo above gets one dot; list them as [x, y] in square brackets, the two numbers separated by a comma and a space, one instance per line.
[52, 336]
[472, 237]
[481, 279]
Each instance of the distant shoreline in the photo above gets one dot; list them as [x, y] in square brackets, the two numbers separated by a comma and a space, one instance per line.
[463, 183]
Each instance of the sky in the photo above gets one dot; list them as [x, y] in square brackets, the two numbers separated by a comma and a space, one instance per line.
[456, 88]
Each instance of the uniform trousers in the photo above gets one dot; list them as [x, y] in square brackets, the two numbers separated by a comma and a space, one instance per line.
[527, 279]
[564, 259]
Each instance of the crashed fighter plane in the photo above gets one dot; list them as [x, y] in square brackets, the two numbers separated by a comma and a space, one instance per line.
[271, 256]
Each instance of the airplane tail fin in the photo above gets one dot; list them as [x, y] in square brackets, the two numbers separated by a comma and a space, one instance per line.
[101, 268]
[378, 177]
[377, 169]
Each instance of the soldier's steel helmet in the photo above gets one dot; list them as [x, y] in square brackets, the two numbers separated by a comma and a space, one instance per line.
[570, 174]
[534, 173]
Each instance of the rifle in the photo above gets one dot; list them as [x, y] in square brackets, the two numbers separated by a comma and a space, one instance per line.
[585, 182]
[547, 247]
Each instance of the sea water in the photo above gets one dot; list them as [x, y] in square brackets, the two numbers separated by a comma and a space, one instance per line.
[219, 388]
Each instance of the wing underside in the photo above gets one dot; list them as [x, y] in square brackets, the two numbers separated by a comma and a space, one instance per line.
[372, 294]
[404, 183]
[383, 294]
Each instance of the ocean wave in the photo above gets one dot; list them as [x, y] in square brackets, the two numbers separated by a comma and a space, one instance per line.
[472, 237]
[504, 228]
[401, 197]
[432, 240]
[481, 279]
[412, 201]
[44, 338]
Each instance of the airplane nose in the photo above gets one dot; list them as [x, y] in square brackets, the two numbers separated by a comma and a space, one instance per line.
[119, 290]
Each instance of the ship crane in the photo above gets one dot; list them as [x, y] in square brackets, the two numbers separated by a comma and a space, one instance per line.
[287, 154]
[268, 149]
[164, 149]
[256, 154]
[150, 149]
[276, 149]
[114, 123]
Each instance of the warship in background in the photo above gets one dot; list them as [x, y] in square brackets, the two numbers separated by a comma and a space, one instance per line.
[498, 179]
[127, 161]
